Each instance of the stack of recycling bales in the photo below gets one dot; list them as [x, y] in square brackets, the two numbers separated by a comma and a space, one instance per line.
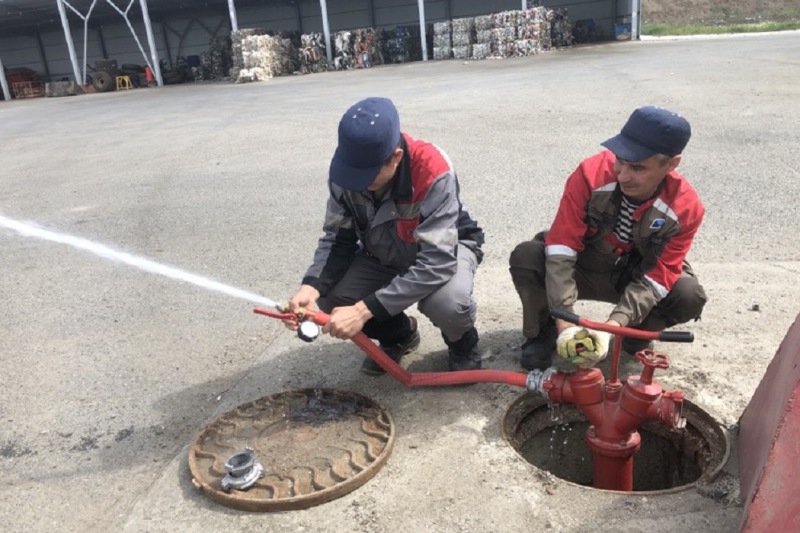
[561, 28]
[259, 57]
[463, 37]
[442, 40]
[515, 33]
[545, 28]
[484, 25]
[255, 55]
[312, 53]
[367, 42]
[534, 30]
[533, 33]
[237, 49]
[402, 44]
[503, 34]
[217, 62]
[360, 48]
[343, 58]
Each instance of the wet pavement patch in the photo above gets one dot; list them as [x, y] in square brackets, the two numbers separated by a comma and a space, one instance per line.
[12, 448]
[123, 434]
[86, 444]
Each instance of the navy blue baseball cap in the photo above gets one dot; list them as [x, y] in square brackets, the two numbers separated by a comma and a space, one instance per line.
[650, 130]
[368, 134]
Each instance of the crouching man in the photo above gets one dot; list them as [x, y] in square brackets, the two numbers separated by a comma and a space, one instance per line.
[621, 235]
[395, 235]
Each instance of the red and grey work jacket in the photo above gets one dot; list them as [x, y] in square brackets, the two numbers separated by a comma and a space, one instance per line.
[583, 234]
[414, 229]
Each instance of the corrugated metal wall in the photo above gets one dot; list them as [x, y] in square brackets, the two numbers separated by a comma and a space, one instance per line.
[189, 34]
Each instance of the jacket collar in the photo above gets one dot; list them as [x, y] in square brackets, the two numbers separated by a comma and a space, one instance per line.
[401, 183]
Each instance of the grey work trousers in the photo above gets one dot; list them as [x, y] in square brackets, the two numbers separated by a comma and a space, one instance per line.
[451, 307]
[527, 266]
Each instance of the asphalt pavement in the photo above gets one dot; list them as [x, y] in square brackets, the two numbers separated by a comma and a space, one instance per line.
[108, 373]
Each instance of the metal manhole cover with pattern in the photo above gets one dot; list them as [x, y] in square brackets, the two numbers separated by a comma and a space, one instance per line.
[315, 445]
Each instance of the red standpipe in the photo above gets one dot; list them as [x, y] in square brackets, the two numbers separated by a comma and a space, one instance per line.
[411, 379]
[616, 411]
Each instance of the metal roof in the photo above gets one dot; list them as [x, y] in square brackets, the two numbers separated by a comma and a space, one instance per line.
[29, 16]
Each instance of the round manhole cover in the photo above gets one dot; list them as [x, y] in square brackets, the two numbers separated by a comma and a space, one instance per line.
[314, 445]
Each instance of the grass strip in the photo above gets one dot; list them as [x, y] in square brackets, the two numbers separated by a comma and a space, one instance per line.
[704, 29]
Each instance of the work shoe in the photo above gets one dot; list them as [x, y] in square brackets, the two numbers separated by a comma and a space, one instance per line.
[463, 361]
[463, 353]
[632, 346]
[537, 353]
[394, 351]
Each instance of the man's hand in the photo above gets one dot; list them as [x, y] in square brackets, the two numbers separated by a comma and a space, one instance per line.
[572, 341]
[305, 298]
[347, 321]
[583, 347]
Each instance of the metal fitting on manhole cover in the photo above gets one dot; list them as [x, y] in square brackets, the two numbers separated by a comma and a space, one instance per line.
[313, 446]
[243, 471]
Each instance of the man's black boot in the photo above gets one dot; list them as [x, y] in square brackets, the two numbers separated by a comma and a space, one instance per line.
[537, 353]
[463, 353]
[394, 351]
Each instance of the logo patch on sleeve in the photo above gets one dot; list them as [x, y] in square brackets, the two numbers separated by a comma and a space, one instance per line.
[657, 223]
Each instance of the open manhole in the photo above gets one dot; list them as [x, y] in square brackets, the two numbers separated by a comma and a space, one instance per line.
[314, 445]
[552, 437]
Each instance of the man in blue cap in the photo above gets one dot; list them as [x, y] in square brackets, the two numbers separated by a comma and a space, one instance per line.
[395, 234]
[621, 235]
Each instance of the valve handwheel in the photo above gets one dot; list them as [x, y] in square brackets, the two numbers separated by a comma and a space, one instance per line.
[652, 359]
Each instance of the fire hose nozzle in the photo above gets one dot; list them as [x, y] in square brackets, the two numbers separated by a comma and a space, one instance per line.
[537, 378]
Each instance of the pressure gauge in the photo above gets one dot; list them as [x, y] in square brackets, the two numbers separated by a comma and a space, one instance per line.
[308, 331]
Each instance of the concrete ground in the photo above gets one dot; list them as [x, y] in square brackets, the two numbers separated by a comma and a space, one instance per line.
[108, 373]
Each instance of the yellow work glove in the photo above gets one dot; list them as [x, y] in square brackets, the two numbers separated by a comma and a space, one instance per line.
[582, 347]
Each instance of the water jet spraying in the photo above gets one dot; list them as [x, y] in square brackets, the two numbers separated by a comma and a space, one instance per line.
[143, 264]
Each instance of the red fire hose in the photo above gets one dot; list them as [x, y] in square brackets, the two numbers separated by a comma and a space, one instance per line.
[410, 379]
[613, 410]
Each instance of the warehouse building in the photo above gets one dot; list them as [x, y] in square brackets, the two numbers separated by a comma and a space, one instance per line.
[63, 40]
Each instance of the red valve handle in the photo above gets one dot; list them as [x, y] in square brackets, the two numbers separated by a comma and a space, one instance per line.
[274, 314]
[652, 359]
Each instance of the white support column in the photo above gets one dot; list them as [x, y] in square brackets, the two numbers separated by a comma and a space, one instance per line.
[70, 45]
[86, 38]
[4, 82]
[524, 5]
[326, 30]
[232, 11]
[636, 6]
[423, 37]
[151, 41]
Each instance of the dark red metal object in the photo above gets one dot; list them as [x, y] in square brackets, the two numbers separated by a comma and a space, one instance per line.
[769, 444]
[616, 411]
